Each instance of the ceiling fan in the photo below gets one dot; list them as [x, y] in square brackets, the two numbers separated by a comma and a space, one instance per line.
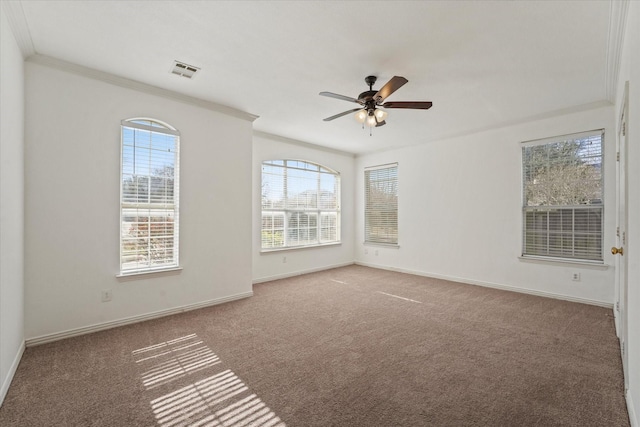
[371, 102]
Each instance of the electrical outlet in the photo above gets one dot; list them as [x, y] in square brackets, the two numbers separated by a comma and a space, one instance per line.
[366, 251]
[284, 259]
[376, 252]
[575, 277]
[106, 295]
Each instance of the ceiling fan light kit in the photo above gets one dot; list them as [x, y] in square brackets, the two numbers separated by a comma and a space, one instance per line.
[381, 115]
[372, 102]
[361, 116]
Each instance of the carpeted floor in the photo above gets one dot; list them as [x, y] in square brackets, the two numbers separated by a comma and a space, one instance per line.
[352, 346]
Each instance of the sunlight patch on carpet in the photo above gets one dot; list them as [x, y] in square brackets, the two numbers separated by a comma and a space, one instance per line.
[214, 401]
[220, 400]
[170, 360]
[399, 297]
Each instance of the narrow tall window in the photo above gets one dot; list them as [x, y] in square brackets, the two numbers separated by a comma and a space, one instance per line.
[148, 196]
[381, 204]
[300, 204]
[562, 197]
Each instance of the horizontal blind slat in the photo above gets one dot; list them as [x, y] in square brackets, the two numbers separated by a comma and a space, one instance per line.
[562, 197]
[149, 196]
[381, 204]
[297, 197]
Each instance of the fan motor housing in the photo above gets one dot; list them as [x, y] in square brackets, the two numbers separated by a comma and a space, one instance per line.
[367, 95]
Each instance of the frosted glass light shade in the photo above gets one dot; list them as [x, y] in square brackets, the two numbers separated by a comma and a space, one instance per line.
[381, 115]
[371, 120]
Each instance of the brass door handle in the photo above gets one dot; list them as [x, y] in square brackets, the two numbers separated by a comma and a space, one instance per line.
[617, 251]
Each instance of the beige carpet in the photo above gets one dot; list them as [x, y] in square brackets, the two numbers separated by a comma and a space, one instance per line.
[352, 346]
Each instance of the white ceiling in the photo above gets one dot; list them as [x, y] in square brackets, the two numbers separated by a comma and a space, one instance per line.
[483, 64]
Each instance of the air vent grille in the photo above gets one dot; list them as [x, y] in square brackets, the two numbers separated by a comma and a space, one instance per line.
[184, 70]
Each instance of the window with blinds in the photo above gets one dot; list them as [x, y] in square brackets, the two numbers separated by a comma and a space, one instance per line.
[381, 204]
[300, 204]
[148, 196]
[563, 197]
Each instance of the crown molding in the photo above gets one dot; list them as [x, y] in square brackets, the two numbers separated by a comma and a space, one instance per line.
[503, 125]
[91, 73]
[617, 20]
[278, 138]
[19, 27]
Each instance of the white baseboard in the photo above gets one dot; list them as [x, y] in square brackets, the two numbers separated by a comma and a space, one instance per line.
[43, 339]
[299, 272]
[12, 371]
[633, 419]
[492, 285]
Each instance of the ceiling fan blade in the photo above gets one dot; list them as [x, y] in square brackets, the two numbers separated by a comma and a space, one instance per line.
[382, 123]
[344, 113]
[392, 85]
[417, 105]
[342, 97]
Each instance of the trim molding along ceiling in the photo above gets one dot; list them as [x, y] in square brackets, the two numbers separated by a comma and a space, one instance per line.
[617, 21]
[80, 70]
[505, 124]
[18, 22]
[19, 27]
[286, 140]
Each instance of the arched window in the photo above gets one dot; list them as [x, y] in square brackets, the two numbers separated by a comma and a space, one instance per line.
[149, 188]
[300, 204]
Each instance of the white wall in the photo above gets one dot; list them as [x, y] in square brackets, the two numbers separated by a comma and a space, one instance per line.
[630, 71]
[72, 204]
[460, 211]
[269, 266]
[11, 205]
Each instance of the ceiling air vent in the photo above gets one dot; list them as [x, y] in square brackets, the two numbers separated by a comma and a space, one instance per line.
[184, 70]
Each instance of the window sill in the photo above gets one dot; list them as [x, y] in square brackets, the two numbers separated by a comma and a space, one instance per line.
[149, 273]
[384, 245]
[294, 248]
[598, 265]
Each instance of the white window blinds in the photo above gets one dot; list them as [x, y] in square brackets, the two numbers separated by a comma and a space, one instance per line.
[563, 196]
[300, 204]
[149, 196]
[381, 204]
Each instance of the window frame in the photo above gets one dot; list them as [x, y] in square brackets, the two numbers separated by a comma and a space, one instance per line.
[379, 239]
[286, 212]
[160, 127]
[559, 210]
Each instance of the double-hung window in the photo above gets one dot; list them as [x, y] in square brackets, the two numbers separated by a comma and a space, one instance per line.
[563, 197]
[381, 204]
[300, 204]
[149, 191]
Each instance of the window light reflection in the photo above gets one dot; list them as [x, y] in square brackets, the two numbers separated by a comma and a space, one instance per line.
[219, 400]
